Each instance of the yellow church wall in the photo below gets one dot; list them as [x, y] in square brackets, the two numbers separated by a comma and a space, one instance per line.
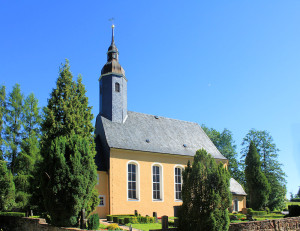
[119, 204]
[102, 188]
[241, 201]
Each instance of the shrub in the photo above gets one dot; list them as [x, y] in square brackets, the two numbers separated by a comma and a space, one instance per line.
[295, 200]
[121, 220]
[294, 210]
[258, 213]
[127, 220]
[115, 219]
[113, 227]
[109, 217]
[12, 214]
[249, 211]
[267, 210]
[93, 222]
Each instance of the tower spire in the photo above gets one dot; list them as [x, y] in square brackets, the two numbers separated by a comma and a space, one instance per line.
[113, 34]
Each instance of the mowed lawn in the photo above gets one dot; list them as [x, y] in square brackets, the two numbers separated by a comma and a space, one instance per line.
[146, 227]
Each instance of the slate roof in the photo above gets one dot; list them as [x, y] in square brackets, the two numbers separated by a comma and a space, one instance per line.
[143, 132]
[236, 188]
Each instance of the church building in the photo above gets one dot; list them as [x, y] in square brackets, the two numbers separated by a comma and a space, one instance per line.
[140, 157]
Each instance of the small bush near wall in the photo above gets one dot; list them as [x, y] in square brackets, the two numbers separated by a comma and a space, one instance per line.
[294, 211]
[93, 222]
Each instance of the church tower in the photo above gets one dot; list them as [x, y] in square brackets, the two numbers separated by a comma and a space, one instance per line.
[113, 86]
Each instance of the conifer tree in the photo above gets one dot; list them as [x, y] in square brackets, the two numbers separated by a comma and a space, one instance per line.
[270, 165]
[30, 153]
[13, 128]
[7, 188]
[68, 171]
[205, 194]
[2, 111]
[256, 182]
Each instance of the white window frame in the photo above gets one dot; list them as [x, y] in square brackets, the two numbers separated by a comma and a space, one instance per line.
[161, 182]
[103, 201]
[182, 168]
[137, 180]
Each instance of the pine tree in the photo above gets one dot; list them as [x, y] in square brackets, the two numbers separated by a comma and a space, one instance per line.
[270, 166]
[68, 170]
[13, 129]
[205, 194]
[256, 182]
[2, 111]
[7, 188]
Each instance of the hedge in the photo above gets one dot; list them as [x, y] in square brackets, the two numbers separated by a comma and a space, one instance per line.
[12, 214]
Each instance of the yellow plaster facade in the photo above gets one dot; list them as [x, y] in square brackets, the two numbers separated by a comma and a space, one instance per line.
[113, 185]
[241, 200]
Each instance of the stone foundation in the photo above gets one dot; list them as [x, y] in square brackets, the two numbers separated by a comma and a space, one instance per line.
[291, 223]
[8, 223]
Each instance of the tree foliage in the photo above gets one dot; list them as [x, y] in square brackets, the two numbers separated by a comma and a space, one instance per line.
[13, 128]
[2, 111]
[205, 194]
[68, 170]
[225, 144]
[268, 153]
[256, 181]
[7, 188]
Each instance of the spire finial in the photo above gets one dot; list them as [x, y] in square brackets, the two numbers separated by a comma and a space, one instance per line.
[113, 30]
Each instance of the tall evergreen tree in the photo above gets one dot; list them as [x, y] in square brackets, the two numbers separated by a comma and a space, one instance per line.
[225, 144]
[271, 167]
[256, 182]
[2, 111]
[68, 171]
[13, 129]
[205, 194]
[30, 153]
[7, 188]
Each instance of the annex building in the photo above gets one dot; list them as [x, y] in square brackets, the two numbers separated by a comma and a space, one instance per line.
[140, 157]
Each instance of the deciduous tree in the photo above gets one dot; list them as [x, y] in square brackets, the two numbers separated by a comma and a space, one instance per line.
[225, 144]
[271, 167]
[7, 188]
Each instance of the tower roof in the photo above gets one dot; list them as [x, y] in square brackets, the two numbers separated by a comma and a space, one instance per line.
[112, 65]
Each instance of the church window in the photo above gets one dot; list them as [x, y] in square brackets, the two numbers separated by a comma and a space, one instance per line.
[102, 201]
[157, 191]
[178, 183]
[133, 181]
[117, 87]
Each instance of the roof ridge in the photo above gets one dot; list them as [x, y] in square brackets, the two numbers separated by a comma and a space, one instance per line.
[166, 117]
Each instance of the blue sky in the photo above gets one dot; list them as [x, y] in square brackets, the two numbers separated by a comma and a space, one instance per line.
[225, 64]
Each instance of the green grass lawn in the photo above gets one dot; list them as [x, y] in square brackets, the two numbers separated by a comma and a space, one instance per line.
[146, 227]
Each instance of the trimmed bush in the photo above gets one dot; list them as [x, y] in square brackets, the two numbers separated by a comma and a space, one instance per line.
[121, 220]
[115, 219]
[257, 213]
[12, 214]
[109, 217]
[294, 210]
[127, 220]
[113, 227]
[93, 222]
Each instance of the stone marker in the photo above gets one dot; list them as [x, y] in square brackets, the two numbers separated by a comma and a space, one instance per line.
[164, 222]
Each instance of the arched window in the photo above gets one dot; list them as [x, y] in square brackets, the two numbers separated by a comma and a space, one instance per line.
[178, 182]
[117, 87]
[133, 180]
[157, 182]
